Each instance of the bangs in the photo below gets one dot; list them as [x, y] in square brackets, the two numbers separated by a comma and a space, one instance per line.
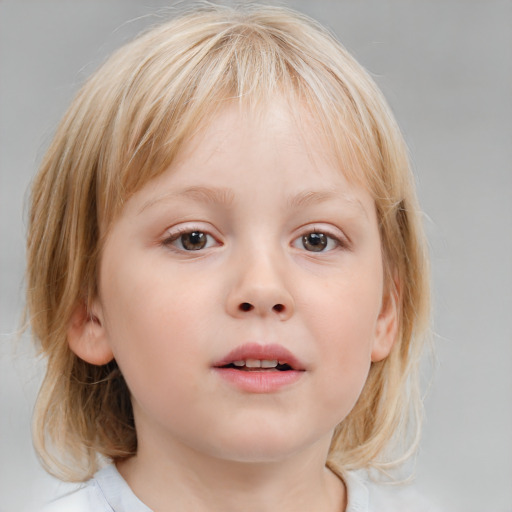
[170, 83]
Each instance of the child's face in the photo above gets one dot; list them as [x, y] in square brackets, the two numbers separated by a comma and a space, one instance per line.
[251, 246]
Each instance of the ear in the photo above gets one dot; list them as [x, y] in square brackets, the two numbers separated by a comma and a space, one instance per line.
[86, 335]
[387, 326]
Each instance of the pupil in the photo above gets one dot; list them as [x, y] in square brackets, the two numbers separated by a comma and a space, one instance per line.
[315, 242]
[193, 241]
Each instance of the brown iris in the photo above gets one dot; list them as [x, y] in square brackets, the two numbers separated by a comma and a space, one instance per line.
[194, 241]
[315, 242]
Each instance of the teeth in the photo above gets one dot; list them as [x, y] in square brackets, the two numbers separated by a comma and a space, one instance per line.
[253, 363]
[256, 363]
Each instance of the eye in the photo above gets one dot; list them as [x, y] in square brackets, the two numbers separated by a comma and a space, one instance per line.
[316, 242]
[193, 240]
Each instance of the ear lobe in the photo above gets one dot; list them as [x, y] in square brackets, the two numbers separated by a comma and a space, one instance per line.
[386, 328]
[87, 338]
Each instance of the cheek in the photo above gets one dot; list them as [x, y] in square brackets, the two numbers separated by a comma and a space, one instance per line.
[344, 325]
[153, 326]
[347, 309]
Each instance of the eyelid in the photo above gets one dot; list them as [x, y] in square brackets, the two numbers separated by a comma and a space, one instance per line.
[174, 233]
[332, 232]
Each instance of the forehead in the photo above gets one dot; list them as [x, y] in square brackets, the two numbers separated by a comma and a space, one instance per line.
[276, 148]
[286, 123]
[283, 127]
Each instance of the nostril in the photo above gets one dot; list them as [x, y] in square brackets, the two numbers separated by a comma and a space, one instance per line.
[245, 306]
[278, 308]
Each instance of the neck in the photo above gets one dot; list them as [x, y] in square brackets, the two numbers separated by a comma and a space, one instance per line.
[190, 480]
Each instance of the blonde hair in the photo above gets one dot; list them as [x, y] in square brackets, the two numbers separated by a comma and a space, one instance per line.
[124, 128]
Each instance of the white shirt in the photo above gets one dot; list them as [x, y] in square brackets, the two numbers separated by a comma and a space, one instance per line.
[109, 492]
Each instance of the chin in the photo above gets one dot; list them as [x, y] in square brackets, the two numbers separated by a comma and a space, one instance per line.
[263, 446]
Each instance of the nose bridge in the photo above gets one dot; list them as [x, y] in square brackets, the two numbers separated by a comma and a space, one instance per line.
[260, 285]
[264, 269]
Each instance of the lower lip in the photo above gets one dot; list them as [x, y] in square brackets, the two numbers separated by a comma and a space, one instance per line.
[259, 381]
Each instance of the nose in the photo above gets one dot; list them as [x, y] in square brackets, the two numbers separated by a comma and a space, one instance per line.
[259, 289]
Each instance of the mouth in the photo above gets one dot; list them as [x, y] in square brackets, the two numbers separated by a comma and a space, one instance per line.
[260, 369]
[259, 365]
[253, 357]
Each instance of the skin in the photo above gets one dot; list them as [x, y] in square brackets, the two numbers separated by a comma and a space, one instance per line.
[253, 187]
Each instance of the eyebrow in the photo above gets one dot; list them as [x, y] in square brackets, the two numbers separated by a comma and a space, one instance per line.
[312, 197]
[225, 196]
[208, 195]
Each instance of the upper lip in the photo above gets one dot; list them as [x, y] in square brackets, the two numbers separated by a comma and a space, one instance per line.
[262, 352]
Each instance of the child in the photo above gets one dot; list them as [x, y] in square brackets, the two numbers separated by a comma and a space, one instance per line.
[227, 274]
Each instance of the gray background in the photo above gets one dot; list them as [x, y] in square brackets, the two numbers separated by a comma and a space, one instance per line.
[446, 68]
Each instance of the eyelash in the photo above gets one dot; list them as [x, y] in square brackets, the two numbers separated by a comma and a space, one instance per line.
[176, 236]
[339, 241]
